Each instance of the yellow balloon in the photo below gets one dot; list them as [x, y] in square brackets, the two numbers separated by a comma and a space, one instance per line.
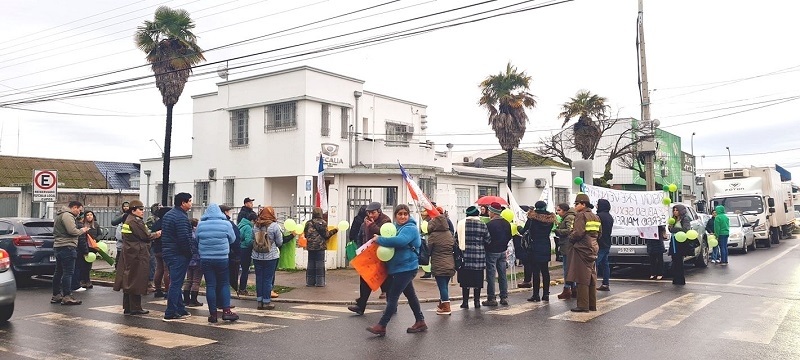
[90, 257]
[388, 230]
[424, 226]
[514, 230]
[289, 224]
[385, 253]
[343, 226]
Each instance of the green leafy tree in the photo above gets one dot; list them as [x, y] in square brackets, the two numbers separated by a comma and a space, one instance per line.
[505, 96]
[589, 109]
[171, 50]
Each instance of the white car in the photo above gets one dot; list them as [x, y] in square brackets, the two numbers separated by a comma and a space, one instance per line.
[741, 234]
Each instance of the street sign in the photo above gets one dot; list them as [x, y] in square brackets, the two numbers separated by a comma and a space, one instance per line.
[45, 185]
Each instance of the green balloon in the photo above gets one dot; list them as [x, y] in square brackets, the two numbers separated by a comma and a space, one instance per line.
[385, 253]
[485, 219]
[680, 236]
[667, 201]
[102, 246]
[578, 180]
[666, 188]
[692, 234]
[712, 241]
[671, 221]
[673, 188]
[90, 257]
[388, 230]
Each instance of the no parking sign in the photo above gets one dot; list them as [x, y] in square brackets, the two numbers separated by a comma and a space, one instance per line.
[45, 185]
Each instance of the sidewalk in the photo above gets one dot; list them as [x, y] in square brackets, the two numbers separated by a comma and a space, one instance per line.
[342, 287]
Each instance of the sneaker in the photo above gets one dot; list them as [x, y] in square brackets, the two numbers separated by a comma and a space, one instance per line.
[524, 285]
[139, 312]
[603, 288]
[269, 306]
[186, 314]
[159, 294]
[69, 300]
[80, 289]
[489, 303]
[724, 263]
[176, 317]
[427, 275]
[230, 316]
[56, 299]
[504, 301]
[212, 319]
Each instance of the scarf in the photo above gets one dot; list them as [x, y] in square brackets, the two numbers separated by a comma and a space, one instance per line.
[266, 217]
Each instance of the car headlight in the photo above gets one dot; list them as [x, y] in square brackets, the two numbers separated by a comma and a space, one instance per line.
[735, 236]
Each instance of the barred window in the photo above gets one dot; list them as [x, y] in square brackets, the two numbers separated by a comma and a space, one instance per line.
[281, 117]
[428, 187]
[239, 128]
[561, 196]
[390, 196]
[200, 193]
[326, 120]
[397, 134]
[170, 193]
[229, 183]
[345, 123]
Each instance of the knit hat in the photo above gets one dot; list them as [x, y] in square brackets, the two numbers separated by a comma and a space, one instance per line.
[496, 208]
[473, 211]
[582, 198]
[540, 205]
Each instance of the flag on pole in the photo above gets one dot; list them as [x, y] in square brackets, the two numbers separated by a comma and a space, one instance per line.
[322, 194]
[417, 194]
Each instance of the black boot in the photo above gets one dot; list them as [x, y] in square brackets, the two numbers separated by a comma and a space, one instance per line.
[193, 300]
[477, 300]
[465, 298]
[186, 297]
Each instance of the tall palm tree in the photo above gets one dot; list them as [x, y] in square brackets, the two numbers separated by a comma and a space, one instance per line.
[587, 107]
[171, 50]
[506, 97]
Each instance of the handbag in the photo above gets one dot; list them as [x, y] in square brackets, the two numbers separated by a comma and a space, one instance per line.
[458, 257]
[350, 250]
[423, 253]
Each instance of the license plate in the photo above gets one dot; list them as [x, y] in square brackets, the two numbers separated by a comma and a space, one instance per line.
[626, 250]
[53, 258]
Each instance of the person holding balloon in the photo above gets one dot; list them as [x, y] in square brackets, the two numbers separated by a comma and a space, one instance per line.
[678, 227]
[401, 267]
[710, 231]
[317, 235]
[134, 267]
[371, 227]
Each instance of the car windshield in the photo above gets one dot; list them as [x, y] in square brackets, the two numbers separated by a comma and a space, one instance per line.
[740, 204]
[734, 221]
[44, 228]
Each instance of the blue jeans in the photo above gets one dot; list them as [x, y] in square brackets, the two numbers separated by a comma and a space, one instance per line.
[216, 273]
[723, 248]
[178, 264]
[603, 268]
[265, 278]
[402, 283]
[443, 282]
[65, 268]
[245, 259]
[715, 253]
[496, 268]
[565, 265]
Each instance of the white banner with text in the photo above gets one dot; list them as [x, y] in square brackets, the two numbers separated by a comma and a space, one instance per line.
[632, 208]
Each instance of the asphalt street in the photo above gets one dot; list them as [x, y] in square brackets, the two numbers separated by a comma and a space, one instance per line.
[748, 309]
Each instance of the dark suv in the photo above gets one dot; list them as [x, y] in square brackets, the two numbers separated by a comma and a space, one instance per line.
[29, 243]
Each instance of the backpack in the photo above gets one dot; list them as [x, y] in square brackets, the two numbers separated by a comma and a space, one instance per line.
[261, 243]
[423, 253]
[527, 241]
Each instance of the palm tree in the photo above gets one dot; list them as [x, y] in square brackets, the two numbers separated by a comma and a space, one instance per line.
[587, 107]
[506, 97]
[171, 50]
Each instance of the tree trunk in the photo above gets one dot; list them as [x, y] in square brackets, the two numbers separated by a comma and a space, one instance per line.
[508, 173]
[166, 157]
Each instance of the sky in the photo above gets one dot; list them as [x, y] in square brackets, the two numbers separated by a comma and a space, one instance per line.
[723, 70]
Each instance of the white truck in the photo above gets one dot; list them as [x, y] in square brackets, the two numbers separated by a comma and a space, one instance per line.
[757, 193]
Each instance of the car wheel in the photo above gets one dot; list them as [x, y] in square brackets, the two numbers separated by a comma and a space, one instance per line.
[754, 246]
[5, 312]
[744, 246]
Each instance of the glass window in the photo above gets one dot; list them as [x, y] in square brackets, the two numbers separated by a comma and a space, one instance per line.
[239, 128]
[740, 204]
[326, 120]
[281, 117]
[397, 134]
[201, 193]
[345, 123]
[487, 191]
[229, 183]
[39, 228]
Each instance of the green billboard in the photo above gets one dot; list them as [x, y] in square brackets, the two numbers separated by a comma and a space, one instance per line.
[668, 162]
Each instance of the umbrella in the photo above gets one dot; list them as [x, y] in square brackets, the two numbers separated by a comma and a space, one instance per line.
[488, 200]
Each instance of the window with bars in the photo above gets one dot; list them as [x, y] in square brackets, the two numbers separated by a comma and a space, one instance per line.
[170, 194]
[397, 134]
[487, 191]
[390, 196]
[325, 128]
[280, 117]
[345, 123]
[561, 195]
[428, 186]
[200, 196]
[240, 120]
[229, 183]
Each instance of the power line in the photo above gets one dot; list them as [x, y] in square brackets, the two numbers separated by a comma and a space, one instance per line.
[720, 82]
[734, 82]
[733, 113]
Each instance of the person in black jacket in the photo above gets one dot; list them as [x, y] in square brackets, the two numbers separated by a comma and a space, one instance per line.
[604, 242]
[678, 249]
[537, 229]
[176, 237]
[245, 210]
[496, 264]
[355, 226]
[710, 230]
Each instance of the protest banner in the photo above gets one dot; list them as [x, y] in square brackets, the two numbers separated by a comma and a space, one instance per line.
[639, 209]
[371, 269]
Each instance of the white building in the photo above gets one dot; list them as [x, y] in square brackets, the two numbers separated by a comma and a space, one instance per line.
[261, 137]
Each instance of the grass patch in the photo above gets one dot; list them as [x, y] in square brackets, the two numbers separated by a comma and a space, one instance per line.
[103, 275]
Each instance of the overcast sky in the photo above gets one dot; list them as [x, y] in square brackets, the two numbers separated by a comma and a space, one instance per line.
[706, 60]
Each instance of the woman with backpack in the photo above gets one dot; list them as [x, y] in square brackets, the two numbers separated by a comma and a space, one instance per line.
[440, 245]
[267, 238]
[317, 235]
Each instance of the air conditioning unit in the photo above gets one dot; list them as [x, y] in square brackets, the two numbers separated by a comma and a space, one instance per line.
[468, 159]
[212, 174]
[410, 129]
[540, 183]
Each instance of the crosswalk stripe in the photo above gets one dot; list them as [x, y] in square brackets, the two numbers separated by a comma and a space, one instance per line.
[331, 308]
[201, 320]
[673, 312]
[158, 338]
[268, 313]
[36, 354]
[758, 324]
[519, 309]
[605, 305]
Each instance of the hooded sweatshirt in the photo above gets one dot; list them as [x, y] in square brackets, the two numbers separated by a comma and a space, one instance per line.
[65, 230]
[606, 223]
[722, 225]
[404, 259]
[214, 234]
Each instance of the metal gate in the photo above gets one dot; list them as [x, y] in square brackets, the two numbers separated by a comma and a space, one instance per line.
[358, 196]
[9, 207]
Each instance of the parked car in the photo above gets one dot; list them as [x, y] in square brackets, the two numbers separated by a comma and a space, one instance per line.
[741, 235]
[29, 244]
[8, 287]
[629, 248]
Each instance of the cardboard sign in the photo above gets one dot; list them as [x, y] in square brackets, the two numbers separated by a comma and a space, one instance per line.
[371, 269]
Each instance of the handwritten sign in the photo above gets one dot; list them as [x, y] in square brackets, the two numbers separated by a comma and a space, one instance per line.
[371, 269]
[632, 208]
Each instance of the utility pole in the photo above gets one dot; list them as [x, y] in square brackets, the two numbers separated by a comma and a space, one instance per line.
[648, 147]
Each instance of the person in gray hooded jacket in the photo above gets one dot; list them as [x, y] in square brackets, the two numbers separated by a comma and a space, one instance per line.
[65, 244]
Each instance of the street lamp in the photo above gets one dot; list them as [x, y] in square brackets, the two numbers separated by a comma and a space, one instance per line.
[147, 199]
[159, 147]
[730, 164]
[694, 167]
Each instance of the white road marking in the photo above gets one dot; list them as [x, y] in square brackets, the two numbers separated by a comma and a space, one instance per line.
[673, 312]
[267, 313]
[761, 266]
[158, 338]
[519, 309]
[606, 305]
[758, 324]
[36, 354]
[331, 308]
[201, 320]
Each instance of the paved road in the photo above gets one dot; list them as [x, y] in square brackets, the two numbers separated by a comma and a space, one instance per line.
[746, 310]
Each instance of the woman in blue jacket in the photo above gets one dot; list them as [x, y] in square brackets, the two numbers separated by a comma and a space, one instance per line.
[214, 238]
[402, 267]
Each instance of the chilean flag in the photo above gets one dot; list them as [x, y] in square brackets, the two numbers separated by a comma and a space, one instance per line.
[417, 194]
[322, 194]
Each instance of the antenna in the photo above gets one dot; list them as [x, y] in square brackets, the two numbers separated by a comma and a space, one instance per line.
[222, 71]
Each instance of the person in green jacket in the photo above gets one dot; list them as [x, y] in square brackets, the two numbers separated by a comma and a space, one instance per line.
[246, 229]
[722, 229]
